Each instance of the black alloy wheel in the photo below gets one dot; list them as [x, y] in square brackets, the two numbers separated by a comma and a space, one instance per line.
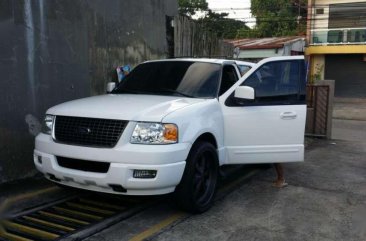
[196, 191]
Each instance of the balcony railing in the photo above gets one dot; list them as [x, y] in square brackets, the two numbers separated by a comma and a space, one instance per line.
[338, 36]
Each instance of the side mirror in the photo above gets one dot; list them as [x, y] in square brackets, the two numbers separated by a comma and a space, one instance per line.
[110, 87]
[244, 92]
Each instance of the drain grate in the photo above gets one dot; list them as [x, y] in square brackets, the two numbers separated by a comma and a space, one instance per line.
[77, 217]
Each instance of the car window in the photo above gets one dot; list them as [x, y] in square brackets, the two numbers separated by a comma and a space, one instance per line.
[228, 79]
[184, 78]
[243, 68]
[277, 82]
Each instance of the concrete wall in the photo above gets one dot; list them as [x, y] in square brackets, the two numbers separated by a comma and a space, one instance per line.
[54, 51]
[296, 45]
[259, 53]
[317, 65]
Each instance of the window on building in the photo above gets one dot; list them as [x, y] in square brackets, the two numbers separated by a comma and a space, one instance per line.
[347, 15]
[319, 11]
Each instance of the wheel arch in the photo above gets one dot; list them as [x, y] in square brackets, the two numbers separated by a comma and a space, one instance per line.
[207, 137]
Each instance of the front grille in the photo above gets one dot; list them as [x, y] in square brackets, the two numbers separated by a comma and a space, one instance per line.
[82, 165]
[88, 131]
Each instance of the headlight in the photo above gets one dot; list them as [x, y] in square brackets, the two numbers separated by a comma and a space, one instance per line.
[154, 133]
[48, 124]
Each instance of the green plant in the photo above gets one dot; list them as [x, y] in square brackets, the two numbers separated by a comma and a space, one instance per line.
[318, 72]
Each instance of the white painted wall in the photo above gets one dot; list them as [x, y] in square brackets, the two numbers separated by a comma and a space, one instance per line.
[259, 53]
[298, 46]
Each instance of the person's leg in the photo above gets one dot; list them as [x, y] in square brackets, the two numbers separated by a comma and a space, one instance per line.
[280, 181]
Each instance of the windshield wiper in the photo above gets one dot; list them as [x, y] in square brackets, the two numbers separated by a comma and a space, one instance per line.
[176, 92]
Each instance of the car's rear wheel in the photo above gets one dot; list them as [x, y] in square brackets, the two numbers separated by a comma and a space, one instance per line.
[196, 191]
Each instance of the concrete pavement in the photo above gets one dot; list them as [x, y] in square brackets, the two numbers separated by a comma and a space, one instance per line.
[349, 119]
[349, 109]
[349, 130]
[325, 200]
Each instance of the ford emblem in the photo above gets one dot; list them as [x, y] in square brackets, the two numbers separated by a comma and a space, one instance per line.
[84, 130]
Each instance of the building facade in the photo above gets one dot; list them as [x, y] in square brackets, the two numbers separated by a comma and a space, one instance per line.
[260, 48]
[336, 38]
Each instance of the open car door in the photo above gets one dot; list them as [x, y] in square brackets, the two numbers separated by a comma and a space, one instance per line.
[270, 127]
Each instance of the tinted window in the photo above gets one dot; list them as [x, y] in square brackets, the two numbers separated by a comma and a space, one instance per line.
[278, 82]
[275, 83]
[243, 69]
[184, 78]
[229, 77]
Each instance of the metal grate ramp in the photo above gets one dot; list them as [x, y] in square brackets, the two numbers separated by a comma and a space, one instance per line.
[75, 218]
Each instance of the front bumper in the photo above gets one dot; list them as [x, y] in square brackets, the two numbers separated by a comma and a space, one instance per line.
[167, 160]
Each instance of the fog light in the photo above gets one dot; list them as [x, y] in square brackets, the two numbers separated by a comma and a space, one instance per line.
[117, 188]
[144, 173]
[39, 159]
[53, 177]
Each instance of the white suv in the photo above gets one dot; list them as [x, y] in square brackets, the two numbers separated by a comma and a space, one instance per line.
[170, 124]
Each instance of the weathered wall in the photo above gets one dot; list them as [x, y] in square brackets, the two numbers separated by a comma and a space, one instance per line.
[54, 51]
[193, 40]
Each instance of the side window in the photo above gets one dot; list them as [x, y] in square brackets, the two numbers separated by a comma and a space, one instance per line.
[229, 77]
[243, 69]
[277, 83]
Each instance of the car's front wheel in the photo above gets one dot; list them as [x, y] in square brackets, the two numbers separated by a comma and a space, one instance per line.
[196, 191]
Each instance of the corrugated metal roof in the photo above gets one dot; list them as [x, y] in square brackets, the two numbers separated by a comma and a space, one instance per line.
[204, 60]
[264, 43]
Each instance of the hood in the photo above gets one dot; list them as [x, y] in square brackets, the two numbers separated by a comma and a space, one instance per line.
[124, 107]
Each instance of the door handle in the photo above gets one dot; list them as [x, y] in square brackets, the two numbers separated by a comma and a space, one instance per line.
[288, 115]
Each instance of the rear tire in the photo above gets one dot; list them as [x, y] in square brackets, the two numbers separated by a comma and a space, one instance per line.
[197, 189]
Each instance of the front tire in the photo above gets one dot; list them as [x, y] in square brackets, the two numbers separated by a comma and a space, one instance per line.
[197, 189]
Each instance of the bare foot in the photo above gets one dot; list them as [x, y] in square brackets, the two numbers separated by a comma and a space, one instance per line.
[279, 184]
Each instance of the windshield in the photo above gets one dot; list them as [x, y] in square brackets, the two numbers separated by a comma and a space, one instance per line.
[179, 78]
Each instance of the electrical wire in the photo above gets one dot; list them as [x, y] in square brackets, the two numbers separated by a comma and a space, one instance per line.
[321, 22]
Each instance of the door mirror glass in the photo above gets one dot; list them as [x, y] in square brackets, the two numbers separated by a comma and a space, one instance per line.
[244, 92]
[110, 86]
